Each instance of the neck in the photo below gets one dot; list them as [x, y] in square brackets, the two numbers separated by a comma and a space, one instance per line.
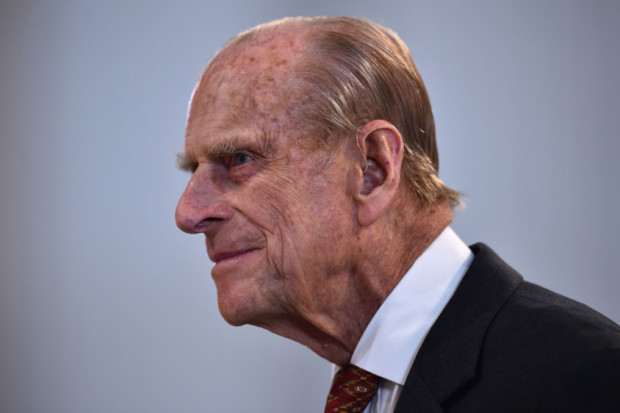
[333, 329]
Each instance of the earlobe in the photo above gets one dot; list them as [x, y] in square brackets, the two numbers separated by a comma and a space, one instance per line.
[381, 146]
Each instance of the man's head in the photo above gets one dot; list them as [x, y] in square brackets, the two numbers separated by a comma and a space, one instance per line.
[298, 134]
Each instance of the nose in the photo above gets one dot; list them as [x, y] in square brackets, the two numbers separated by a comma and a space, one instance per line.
[200, 207]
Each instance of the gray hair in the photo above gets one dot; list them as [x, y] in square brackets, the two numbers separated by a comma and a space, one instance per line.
[355, 71]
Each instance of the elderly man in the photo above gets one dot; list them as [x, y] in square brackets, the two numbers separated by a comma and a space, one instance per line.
[311, 145]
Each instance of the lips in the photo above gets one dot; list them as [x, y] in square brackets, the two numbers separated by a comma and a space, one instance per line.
[228, 255]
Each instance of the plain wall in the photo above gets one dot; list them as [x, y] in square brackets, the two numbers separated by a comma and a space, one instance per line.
[105, 306]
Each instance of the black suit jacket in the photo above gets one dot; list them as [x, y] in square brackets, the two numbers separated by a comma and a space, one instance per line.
[505, 345]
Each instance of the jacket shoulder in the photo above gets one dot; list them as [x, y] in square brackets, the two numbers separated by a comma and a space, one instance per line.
[504, 344]
[546, 352]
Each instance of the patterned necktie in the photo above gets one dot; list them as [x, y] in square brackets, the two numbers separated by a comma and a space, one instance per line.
[351, 390]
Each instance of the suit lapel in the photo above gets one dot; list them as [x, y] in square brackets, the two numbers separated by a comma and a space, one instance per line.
[448, 357]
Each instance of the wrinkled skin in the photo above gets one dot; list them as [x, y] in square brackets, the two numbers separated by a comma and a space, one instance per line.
[277, 216]
[298, 234]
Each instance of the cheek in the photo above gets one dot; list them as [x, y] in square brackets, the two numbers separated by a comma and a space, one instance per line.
[305, 218]
[276, 203]
[309, 224]
[276, 207]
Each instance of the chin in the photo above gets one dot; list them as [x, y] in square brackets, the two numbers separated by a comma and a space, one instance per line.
[232, 309]
[237, 308]
[242, 296]
[233, 320]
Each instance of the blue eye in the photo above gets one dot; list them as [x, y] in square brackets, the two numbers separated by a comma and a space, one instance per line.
[241, 158]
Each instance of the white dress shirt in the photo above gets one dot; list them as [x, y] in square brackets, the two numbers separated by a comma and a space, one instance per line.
[393, 337]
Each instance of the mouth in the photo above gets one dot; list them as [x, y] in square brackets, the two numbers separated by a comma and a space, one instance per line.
[230, 255]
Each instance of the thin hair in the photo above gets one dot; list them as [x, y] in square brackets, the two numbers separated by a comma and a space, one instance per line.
[355, 71]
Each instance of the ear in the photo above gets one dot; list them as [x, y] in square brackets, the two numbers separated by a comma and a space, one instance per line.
[381, 146]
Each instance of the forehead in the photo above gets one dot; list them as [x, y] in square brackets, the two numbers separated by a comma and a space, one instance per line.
[250, 78]
[246, 91]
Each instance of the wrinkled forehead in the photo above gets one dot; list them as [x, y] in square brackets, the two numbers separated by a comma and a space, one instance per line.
[250, 79]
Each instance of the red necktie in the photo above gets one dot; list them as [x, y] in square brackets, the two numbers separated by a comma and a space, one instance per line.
[351, 390]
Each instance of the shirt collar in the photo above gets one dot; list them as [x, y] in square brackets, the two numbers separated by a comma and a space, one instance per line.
[393, 337]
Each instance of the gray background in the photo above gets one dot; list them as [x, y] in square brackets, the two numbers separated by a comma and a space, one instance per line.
[106, 307]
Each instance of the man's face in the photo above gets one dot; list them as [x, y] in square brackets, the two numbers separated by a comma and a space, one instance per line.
[276, 211]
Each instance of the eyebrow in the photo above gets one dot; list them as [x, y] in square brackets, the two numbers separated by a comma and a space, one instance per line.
[262, 147]
[185, 163]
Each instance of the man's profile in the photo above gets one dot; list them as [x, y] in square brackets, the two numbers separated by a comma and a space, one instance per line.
[311, 144]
